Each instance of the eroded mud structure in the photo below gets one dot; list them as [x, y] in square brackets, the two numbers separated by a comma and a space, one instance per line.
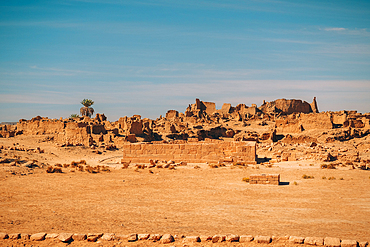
[284, 130]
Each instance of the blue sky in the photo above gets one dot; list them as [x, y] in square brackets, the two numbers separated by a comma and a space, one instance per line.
[146, 57]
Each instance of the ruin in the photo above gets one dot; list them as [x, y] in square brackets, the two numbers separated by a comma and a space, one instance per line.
[193, 152]
[273, 179]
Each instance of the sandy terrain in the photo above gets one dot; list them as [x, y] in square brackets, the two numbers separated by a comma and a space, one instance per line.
[189, 201]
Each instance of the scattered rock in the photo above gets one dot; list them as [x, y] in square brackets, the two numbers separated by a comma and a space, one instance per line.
[167, 238]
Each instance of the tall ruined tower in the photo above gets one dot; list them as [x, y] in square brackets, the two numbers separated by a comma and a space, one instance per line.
[314, 107]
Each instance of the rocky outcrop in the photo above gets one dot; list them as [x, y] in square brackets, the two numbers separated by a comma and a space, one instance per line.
[285, 106]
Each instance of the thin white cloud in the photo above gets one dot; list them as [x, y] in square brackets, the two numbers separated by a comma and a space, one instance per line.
[335, 29]
[348, 31]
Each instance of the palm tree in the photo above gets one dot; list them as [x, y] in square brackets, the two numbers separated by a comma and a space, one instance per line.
[87, 110]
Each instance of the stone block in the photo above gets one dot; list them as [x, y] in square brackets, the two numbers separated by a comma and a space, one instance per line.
[155, 237]
[167, 238]
[51, 235]
[332, 242]
[245, 238]
[191, 239]
[363, 244]
[79, 237]
[25, 236]
[3, 235]
[205, 238]
[14, 236]
[218, 238]
[93, 237]
[38, 236]
[314, 241]
[132, 237]
[108, 236]
[232, 238]
[144, 236]
[65, 237]
[262, 239]
[296, 240]
[348, 243]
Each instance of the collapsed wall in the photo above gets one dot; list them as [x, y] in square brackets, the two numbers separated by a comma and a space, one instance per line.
[192, 152]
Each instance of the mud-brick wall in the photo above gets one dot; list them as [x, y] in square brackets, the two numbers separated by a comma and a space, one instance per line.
[264, 179]
[192, 152]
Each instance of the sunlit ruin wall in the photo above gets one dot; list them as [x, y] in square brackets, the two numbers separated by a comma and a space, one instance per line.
[191, 151]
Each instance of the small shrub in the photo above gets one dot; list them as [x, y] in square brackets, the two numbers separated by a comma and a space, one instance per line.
[269, 165]
[212, 165]
[80, 168]
[105, 169]
[307, 177]
[323, 177]
[341, 178]
[65, 165]
[92, 169]
[295, 183]
[171, 167]
[246, 180]
[58, 170]
[58, 165]
[327, 166]
[50, 169]
[331, 178]
[239, 164]
[196, 167]
[311, 164]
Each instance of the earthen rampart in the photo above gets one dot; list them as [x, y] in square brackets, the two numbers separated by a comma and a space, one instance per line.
[192, 152]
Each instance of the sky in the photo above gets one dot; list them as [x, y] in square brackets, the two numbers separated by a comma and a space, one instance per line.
[146, 57]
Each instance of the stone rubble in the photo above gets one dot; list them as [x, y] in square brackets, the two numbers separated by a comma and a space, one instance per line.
[168, 238]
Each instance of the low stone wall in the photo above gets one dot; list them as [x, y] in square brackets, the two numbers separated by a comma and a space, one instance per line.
[264, 179]
[25, 239]
[191, 152]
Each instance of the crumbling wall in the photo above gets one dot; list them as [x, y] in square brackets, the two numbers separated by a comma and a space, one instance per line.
[192, 152]
[264, 179]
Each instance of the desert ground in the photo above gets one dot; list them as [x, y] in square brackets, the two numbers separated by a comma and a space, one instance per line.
[189, 200]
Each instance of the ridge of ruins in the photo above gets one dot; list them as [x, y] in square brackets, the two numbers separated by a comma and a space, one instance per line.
[279, 121]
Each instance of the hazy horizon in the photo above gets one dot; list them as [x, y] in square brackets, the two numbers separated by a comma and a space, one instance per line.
[147, 57]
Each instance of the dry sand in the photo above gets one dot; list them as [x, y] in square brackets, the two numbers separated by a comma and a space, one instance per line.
[204, 201]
